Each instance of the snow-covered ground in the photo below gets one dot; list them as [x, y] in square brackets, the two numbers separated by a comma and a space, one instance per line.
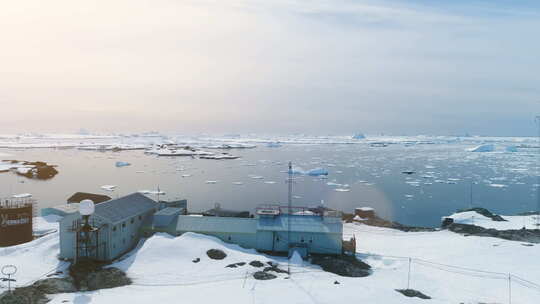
[512, 222]
[447, 266]
[36, 259]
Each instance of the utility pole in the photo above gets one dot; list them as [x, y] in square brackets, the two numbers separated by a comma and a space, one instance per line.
[537, 120]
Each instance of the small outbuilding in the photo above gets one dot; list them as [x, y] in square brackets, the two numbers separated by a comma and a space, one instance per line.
[80, 196]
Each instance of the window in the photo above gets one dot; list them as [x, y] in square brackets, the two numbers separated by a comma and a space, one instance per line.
[114, 228]
[133, 220]
[124, 225]
[277, 239]
[140, 218]
[229, 238]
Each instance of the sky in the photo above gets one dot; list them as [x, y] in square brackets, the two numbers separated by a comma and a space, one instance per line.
[282, 66]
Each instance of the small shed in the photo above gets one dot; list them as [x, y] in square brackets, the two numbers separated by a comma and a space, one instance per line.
[365, 212]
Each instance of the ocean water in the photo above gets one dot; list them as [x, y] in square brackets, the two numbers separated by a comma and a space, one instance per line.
[444, 175]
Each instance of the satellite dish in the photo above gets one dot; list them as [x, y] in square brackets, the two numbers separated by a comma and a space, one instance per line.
[86, 207]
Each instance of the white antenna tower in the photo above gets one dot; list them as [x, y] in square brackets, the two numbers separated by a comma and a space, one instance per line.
[537, 120]
[289, 200]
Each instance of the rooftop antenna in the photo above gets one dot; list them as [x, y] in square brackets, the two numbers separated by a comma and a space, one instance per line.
[289, 201]
[537, 121]
[85, 233]
[9, 270]
[158, 192]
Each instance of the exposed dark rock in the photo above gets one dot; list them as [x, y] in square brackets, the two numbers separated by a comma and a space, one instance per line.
[411, 293]
[84, 276]
[216, 254]
[275, 269]
[447, 222]
[336, 283]
[257, 264]
[24, 295]
[107, 278]
[40, 170]
[197, 260]
[236, 265]
[522, 235]
[56, 285]
[485, 212]
[261, 275]
[379, 222]
[343, 265]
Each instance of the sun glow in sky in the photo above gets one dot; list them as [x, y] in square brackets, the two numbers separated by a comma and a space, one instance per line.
[317, 67]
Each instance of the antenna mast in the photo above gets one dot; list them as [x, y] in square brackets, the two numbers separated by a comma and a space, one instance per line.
[289, 201]
[537, 120]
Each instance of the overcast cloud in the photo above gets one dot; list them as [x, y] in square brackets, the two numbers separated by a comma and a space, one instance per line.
[282, 66]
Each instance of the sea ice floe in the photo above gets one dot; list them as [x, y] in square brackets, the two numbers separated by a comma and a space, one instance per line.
[483, 148]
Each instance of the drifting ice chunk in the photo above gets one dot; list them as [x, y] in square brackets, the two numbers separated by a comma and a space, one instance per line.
[238, 183]
[342, 189]
[211, 182]
[359, 136]
[312, 172]
[24, 170]
[122, 164]
[483, 148]
[108, 187]
[273, 145]
[511, 149]
[317, 172]
[22, 195]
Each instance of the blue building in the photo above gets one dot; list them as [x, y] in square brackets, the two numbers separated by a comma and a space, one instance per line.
[310, 232]
[118, 223]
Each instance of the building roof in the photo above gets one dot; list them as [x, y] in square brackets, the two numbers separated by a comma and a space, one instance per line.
[218, 211]
[216, 224]
[169, 211]
[299, 223]
[119, 209]
[61, 210]
[96, 198]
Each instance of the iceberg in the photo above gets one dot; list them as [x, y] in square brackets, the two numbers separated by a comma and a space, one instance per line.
[483, 148]
[108, 187]
[359, 136]
[511, 149]
[317, 172]
[122, 164]
[312, 172]
[273, 145]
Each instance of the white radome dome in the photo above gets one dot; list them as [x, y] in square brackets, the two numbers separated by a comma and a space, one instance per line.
[86, 207]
